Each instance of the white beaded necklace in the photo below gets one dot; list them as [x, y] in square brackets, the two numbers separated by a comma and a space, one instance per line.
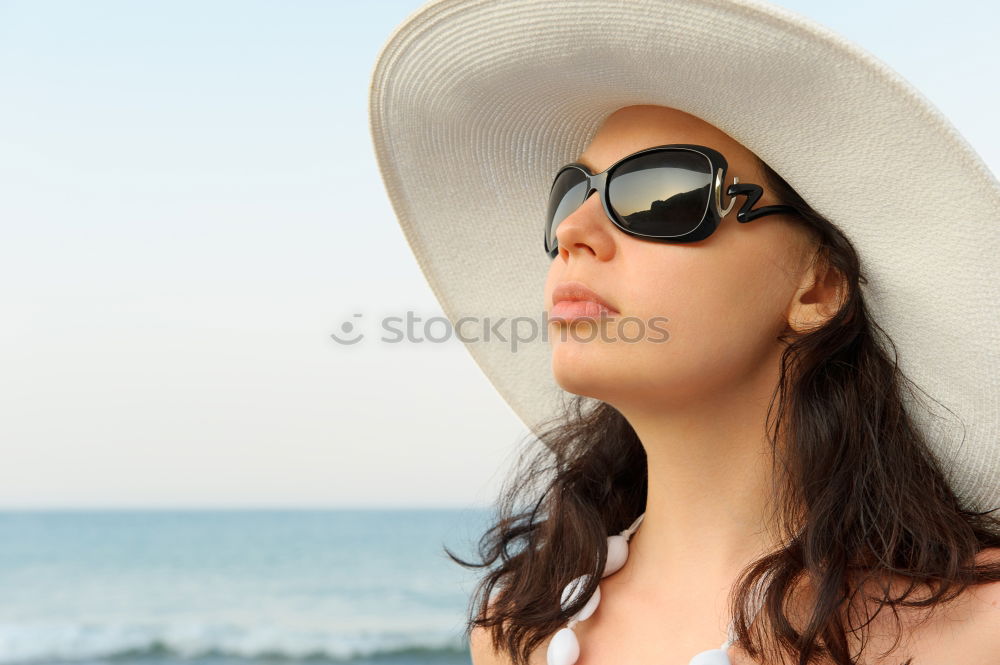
[564, 649]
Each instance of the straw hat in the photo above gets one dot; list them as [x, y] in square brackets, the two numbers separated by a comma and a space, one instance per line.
[474, 104]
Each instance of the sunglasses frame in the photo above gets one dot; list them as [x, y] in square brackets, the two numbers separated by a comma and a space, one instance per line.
[710, 219]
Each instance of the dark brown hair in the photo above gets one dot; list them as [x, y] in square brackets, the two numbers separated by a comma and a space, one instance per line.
[859, 495]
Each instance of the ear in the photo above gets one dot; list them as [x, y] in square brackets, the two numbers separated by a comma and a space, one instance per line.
[820, 295]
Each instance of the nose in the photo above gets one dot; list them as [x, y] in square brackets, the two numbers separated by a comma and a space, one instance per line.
[587, 230]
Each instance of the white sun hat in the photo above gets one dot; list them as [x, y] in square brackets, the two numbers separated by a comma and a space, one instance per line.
[474, 105]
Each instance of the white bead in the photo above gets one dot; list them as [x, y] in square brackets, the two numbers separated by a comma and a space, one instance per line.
[617, 554]
[571, 592]
[590, 607]
[711, 657]
[564, 648]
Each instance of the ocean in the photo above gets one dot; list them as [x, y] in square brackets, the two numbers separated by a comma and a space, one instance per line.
[236, 587]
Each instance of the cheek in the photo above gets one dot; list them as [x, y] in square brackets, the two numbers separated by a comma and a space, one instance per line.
[723, 309]
[722, 318]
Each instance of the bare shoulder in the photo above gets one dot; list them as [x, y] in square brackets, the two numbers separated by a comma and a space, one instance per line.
[984, 615]
[481, 649]
[967, 629]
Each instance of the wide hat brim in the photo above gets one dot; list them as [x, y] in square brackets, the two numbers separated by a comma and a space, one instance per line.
[474, 104]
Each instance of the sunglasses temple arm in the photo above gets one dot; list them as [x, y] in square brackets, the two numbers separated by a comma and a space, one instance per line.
[753, 194]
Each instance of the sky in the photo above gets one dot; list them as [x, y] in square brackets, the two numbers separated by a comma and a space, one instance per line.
[190, 206]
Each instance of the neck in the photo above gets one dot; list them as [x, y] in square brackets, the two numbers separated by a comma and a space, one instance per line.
[709, 491]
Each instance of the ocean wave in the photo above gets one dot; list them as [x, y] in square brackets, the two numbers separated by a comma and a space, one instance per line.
[25, 644]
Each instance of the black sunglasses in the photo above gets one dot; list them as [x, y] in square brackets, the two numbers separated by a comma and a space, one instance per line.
[668, 193]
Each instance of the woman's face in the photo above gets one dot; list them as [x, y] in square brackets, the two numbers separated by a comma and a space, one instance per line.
[719, 303]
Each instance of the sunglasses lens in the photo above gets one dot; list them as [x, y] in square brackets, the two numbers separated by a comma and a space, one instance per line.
[567, 194]
[662, 194]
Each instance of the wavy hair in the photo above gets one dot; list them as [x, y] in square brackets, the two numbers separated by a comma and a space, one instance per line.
[858, 493]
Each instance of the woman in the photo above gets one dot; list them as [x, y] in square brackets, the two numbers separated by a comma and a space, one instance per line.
[739, 415]
[691, 414]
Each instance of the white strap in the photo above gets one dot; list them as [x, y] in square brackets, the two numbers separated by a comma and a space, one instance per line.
[627, 533]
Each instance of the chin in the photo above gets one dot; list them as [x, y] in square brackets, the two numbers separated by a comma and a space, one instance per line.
[586, 368]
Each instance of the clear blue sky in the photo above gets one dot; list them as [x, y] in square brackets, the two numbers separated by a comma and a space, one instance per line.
[190, 205]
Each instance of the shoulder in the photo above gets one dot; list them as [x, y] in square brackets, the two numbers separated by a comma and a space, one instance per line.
[481, 644]
[481, 648]
[984, 614]
[984, 603]
[482, 652]
[967, 631]
[962, 631]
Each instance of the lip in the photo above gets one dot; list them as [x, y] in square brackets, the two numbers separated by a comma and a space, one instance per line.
[574, 300]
